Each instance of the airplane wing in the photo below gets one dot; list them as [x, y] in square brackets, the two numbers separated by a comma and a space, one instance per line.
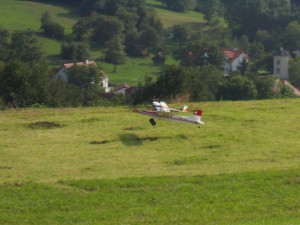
[162, 107]
[185, 109]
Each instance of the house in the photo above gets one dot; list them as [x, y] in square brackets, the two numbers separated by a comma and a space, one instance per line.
[281, 64]
[61, 73]
[123, 89]
[233, 59]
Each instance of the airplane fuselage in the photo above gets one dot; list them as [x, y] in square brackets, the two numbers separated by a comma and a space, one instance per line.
[169, 116]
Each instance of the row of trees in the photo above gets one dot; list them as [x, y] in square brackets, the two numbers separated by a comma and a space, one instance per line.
[205, 83]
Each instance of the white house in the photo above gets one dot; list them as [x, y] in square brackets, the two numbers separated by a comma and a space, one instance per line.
[62, 73]
[233, 59]
[281, 64]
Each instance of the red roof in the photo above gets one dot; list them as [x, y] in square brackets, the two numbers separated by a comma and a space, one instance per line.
[120, 87]
[233, 54]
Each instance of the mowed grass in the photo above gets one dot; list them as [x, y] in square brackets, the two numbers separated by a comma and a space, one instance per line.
[244, 199]
[110, 166]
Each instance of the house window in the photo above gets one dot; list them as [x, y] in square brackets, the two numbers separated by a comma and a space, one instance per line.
[278, 62]
[277, 70]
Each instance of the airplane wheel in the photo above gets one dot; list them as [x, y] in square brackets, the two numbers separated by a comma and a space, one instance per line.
[152, 121]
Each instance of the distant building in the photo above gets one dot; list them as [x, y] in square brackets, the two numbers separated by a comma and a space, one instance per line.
[233, 59]
[62, 73]
[281, 64]
[122, 89]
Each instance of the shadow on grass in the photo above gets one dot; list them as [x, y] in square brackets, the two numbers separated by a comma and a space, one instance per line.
[131, 140]
[134, 140]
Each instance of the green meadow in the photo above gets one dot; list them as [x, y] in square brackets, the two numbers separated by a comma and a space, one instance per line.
[108, 165]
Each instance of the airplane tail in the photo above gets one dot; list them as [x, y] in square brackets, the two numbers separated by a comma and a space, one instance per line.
[185, 108]
[197, 116]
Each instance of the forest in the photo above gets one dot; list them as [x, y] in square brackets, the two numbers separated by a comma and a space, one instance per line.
[129, 28]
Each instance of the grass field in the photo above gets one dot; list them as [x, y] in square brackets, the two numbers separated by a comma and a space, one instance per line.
[110, 166]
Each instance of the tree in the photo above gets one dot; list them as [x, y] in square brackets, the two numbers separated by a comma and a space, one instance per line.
[294, 72]
[265, 87]
[50, 28]
[76, 51]
[180, 5]
[210, 9]
[88, 79]
[115, 51]
[23, 85]
[204, 82]
[4, 43]
[63, 94]
[144, 92]
[236, 87]
[129, 18]
[244, 43]
[24, 47]
[198, 54]
[180, 34]
[132, 43]
[151, 31]
[109, 7]
[105, 28]
[291, 34]
[268, 15]
[172, 82]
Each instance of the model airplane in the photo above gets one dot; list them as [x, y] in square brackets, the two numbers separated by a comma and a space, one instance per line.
[163, 112]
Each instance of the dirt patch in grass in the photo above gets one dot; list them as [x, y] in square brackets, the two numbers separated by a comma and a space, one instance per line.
[44, 125]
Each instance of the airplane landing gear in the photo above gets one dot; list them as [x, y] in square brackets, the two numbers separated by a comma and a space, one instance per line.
[152, 121]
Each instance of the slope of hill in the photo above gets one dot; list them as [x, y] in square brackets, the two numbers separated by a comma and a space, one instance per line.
[17, 15]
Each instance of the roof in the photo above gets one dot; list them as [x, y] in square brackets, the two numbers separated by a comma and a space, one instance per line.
[232, 54]
[282, 52]
[87, 62]
[120, 87]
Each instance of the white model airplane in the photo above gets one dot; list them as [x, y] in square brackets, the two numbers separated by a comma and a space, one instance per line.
[163, 112]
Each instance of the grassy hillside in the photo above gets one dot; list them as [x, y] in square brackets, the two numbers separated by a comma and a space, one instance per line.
[18, 15]
[110, 166]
